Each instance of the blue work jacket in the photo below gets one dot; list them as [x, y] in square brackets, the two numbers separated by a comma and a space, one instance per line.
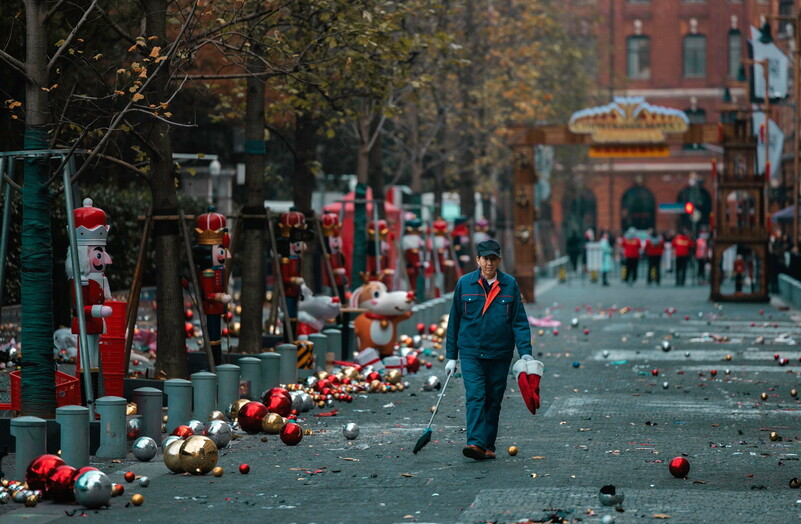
[485, 325]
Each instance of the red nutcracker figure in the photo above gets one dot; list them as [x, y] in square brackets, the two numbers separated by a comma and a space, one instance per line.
[292, 234]
[440, 251]
[412, 243]
[91, 230]
[482, 231]
[210, 253]
[332, 231]
[378, 241]
[460, 236]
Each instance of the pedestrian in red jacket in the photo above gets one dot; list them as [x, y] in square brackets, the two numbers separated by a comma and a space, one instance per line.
[654, 248]
[682, 246]
[631, 254]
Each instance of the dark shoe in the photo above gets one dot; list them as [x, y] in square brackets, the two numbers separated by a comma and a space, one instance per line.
[474, 452]
[489, 454]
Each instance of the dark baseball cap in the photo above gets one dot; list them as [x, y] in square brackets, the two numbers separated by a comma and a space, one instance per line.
[489, 247]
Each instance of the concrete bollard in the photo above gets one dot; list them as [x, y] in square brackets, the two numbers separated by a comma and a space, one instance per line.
[179, 402]
[204, 395]
[288, 373]
[149, 402]
[113, 439]
[334, 343]
[227, 385]
[31, 441]
[250, 368]
[270, 369]
[320, 342]
[74, 422]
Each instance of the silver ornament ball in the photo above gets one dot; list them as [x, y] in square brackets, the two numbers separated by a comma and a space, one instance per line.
[92, 489]
[432, 383]
[350, 430]
[133, 428]
[666, 346]
[574, 322]
[5, 497]
[308, 401]
[297, 400]
[219, 432]
[144, 449]
[196, 426]
[169, 440]
[144, 481]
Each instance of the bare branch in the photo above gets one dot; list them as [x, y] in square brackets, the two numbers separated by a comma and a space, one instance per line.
[116, 27]
[235, 21]
[159, 117]
[16, 64]
[263, 74]
[12, 183]
[68, 41]
[53, 9]
[130, 167]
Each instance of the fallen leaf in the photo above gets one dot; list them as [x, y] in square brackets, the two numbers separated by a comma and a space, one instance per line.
[350, 459]
[538, 457]
[661, 516]
[699, 482]
[406, 475]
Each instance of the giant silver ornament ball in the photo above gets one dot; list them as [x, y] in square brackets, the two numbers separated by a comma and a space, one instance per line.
[133, 428]
[5, 497]
[144, 449]
[169, 440]
[308, 401]
[432, 383]
[350, 430]
[219, 432]
[297, 400]
[196, 426]
[92, 489]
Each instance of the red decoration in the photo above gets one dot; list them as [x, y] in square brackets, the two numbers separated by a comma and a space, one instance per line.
[251, 415]
[59, 484]
[41, 468]
[279, 404]
[130, 476]
[428, 365]
[374, 375]
[713, 372]
[244, 469]
[679, 467]
[655, 372]
[412, 363]
[276, 391]
[586, 331]
[291, 434]
[421, 328]
[182, 431]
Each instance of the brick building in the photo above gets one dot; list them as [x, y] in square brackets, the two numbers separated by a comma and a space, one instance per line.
[675, 53]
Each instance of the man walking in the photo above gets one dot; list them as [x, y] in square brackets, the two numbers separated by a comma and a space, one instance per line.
[654, 247]
[682, 245]
[486, 322]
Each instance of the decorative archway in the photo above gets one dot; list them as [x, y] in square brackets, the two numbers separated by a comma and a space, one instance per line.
[638, 209]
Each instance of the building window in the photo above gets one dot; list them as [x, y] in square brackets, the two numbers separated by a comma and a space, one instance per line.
[638, 57]
[694, 56]
[695, 116]
[735, 52]
[786, 7]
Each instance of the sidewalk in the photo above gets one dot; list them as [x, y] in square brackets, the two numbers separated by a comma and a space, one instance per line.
[608, 420]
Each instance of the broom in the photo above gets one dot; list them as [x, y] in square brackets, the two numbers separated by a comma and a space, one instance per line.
[426, 438]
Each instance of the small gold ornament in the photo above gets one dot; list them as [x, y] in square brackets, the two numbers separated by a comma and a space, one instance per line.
[217, 471]
[321, 404]
[130, 408]
[400, 387]
[764, 396]
[321, 375]
[512, 451]
[793, 393]
[216, 415]
[31, 501]
[272, 423]
[393, 376]
[117, 490]
[433, 409]
[198, 455]
[164, 420]
[775, 437]
[375, 385]
[541, 332]
[137, 499]
[728, 357]
[441, 358]
[795, 483]
[308, 432]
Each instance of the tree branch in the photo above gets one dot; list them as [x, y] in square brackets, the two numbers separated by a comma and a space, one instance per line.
[16, 64]
[226, 76]
[130, 167]
[53, 9]
[116, 27]
[72, 34]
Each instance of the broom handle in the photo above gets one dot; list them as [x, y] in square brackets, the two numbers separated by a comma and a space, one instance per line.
[436, 408]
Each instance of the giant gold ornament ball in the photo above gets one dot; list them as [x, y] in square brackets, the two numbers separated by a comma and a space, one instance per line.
[198, 455]
[233, 409]
[92, 489]
[172, 457]
[137, 499]
[216, 415]
[272, 423]
[512, 451]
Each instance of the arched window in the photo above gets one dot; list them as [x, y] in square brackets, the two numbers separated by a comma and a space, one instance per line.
[694, 56]
[638, 57]
[735, 52]
[638, 209]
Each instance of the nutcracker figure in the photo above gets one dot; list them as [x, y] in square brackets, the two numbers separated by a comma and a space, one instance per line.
[378, 244]
[332, 231]
[412, 243]
[440, 254]
[210, 252]
[460, 236]
[292, 233]
[91, 230]
[482, 231]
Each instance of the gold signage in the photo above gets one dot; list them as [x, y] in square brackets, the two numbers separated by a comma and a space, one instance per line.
[629, 120]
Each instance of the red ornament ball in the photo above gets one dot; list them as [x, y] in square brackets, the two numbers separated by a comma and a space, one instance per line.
[555, 332]
[412, 363]
[291, 434]
[41, 468]
[373, 375]
[244, 469]
[279, 404]
[421, 328]
[129, 476]
[655, 372]
[428, 365]
[277, 391]
[59, 484]
[182, 431]
[713, 372]
[679, 467]
[686, 317]
[251, 415]
[586, 331]
[189, 314]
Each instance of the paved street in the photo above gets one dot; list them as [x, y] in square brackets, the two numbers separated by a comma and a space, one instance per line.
[605, 419]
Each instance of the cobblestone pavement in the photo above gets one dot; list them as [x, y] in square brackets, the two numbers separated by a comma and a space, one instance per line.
[616, 408]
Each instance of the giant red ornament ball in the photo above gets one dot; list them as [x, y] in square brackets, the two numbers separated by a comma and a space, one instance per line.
[679, 467]
[183, 431]
[276, 391]
[279, 404]
[59, 484]
[291, 434]
[251, 415]
[81, 471]
[41, 468]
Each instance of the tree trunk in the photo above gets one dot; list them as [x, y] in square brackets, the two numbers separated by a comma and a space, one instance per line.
[253, 229]
[417, 153]
[38, 376]
[171, 359]
[363, 154]
[306, 153]
[375, 169]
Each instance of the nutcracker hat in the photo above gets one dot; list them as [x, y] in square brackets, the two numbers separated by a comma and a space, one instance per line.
[440, 226]
[210, 229]
[482, 224]
[458, 221]
[413, 225]
[292, 219]
[330, 224]
[383, 229]
[90, 224]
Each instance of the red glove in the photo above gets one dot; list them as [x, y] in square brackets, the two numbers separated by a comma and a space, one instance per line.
[529, 373]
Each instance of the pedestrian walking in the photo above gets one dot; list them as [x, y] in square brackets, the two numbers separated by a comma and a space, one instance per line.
[702, 255]
[486, 322]
[631, 255]
[574, 248]
[654, 248]
[607, 257]
[682, 245]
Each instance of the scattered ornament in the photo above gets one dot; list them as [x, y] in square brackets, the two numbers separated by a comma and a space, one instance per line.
[40, 469]
[576, 364]
[244, 469]
[251, 415]
[574, 322]
[512, 451]
[117, 490]
[219, 432]
[713, 372]
[728, 357]
[655, 372]
[183, 431]
[129, 476]
[586, 331]
[350, 430]
[763, 396]
[605, 353]
[217, 471]
[665, 385]
[137, 499]
[679, 467]
[291, 434]
[687, 354]
[198, 455]
[793, 393]
[144, 449]
[59, 484]
[775, 437]
[92, 489]
[608, 496]
[196, 426]
[133, 428]
[795, 483]
[666, 346]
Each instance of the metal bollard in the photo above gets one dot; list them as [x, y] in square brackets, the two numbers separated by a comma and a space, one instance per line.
[74, 422]
[204, 395]
[149, 402]
[227, 385]
[320, 349]
[179, 402]
[112, 428]
[270, 369]
[251, 373]
[288, 373]
[31, 441]
[334, 342]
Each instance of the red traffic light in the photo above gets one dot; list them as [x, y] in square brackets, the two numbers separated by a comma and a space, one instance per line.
[689, 208]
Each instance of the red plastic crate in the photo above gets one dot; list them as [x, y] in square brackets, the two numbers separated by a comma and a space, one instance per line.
[112, 355]
[68, 390]
[115, 324]
[114, 383]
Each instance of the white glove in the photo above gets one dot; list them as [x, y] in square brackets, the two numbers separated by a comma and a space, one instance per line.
[526, 358]
[450, 367]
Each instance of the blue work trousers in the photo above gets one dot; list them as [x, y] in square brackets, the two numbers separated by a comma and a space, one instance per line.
[484, 385]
